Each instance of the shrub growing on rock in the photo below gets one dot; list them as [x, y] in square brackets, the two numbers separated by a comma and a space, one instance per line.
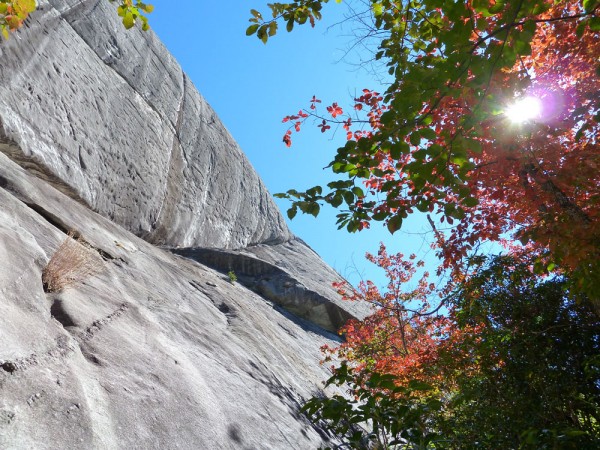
[73, 262]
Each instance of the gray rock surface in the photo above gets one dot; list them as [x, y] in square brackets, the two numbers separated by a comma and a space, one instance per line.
[110, 113]
[290, 274]
[154, 352]
[157, 351]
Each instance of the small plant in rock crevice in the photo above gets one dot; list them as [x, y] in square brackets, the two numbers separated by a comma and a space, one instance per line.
[73, 262]
[232, 276]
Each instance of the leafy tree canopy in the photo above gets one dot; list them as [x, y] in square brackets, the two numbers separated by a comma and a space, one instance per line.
[444, 139]
[512, 364]
[490, 124]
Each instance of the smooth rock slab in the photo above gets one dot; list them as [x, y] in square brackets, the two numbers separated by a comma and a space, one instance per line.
[109, 112]
[155, 352]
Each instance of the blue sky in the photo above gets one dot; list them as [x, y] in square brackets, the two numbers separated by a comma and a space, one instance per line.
[252, 86]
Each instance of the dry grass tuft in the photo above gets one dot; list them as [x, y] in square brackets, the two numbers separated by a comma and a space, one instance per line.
[72, 262]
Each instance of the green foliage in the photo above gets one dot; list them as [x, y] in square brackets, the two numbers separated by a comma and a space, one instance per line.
[439, 139]
[298, 12]
[14, 12]
[537, 384]
[232, 276]
[377, 413]
[424, 56]
[130, 12]
[523, 372]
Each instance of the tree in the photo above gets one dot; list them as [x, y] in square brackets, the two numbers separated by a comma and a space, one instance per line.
[14, 12]
[513, 363]
[441, 138]
[536, 382]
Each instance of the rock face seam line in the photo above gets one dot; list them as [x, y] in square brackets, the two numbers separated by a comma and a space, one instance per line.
[176, 142]
[120, 75]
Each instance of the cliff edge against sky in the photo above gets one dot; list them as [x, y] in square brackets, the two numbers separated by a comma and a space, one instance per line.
[101, 132]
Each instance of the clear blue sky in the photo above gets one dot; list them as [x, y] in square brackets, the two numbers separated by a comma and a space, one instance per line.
[252, 86]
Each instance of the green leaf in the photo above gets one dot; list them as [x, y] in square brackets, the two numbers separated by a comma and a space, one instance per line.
[581, 28]
[415, 138]
[496, 8]
[379, 216]
[428, 133]
[252, 29]
[394, 224]
[377, 9]
[358, 191]
[590, 5]
[128, 20]
[262, 34]
[272, 29]
[470, 202]
[449, 209]
[398, 149]
[336, 200]
[291, 213]
[348, 197]
[417, 385]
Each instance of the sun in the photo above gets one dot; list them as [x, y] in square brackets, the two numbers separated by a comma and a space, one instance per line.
[524, 110]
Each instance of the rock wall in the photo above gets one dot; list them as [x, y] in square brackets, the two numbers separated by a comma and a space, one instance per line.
[101, 132]
[154, 352]
[289, 274]
[110, 113]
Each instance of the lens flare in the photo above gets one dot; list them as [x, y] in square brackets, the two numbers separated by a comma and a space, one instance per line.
[524, 110]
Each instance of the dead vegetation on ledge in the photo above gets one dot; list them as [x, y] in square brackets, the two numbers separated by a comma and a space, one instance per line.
[73, 262]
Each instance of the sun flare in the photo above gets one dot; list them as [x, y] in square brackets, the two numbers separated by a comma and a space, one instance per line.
[524, 110]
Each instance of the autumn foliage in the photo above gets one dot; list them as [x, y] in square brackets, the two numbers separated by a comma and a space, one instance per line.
[503, 360]
[504, 352]
[441, 139]
[402, 336]
[13, 13]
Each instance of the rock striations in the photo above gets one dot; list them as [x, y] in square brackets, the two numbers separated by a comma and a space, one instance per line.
[101, 132]
[110, 112]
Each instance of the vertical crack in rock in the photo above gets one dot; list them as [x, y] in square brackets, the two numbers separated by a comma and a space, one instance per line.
[199, 165]
[85, 38]
[172, 188]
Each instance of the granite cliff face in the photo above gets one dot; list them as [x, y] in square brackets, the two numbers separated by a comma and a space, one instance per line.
[111, 113]
[155, 352]
[101, 132]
